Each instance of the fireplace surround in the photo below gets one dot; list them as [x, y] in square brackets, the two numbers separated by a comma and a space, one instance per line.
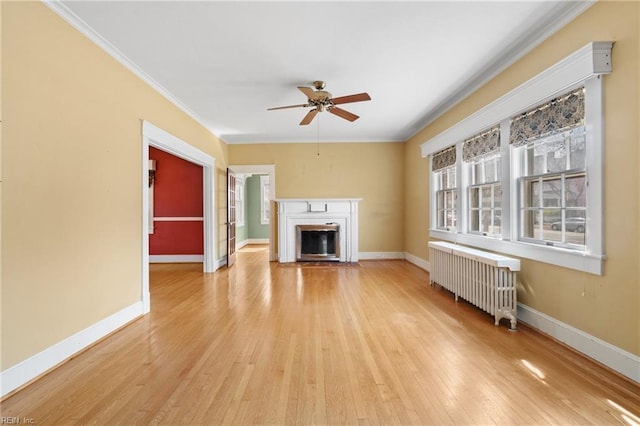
[334, 221]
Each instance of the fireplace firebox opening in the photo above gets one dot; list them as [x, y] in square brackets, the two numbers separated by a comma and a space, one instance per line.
[318, 242]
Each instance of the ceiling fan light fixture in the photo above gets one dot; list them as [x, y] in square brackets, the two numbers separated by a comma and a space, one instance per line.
[321, 100]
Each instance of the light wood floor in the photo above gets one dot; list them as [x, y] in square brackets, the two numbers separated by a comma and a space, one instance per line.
[264, 343]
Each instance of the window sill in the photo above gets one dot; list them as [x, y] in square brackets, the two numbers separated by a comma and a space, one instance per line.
[580, 261]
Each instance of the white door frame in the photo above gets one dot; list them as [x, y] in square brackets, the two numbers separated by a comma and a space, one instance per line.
[263, 169]
[158, 138]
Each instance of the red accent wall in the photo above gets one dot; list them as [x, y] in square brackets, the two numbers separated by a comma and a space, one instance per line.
[176, 238]
[177, 193]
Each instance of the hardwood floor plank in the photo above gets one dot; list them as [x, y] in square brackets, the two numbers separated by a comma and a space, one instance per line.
[365, 344]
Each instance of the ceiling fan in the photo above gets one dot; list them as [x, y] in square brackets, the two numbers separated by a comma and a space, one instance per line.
[321, 100]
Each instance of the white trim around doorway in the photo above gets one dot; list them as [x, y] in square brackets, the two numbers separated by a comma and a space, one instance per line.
[158, 138]
[265, 169]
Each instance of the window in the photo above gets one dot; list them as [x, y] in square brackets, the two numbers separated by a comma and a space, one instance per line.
[447, 197]
[485, 201]
[264, 200]
[482, 160]
[549, 142]
[239, 195]
[553, 201]
[444, 170]
[532, 185]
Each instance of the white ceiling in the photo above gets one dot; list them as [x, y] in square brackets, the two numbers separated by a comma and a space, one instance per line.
[225, 63]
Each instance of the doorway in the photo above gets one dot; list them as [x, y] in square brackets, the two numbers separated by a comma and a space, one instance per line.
[270, 171]
[158, 138]
[176, 232]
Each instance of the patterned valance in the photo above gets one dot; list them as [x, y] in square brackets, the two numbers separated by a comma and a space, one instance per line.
[444, 158]
[557, 115]
[481, 144]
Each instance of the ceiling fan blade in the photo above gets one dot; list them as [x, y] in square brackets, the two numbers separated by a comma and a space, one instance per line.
[308, 91]
[288, 106]
[359, 97]
[343, 114]
[307, 118]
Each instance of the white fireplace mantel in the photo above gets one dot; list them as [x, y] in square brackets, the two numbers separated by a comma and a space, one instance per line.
[317, 211]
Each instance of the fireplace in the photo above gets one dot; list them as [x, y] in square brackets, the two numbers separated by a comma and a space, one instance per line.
[318, 242]
[318, 229]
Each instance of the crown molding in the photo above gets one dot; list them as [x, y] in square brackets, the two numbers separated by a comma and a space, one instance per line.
[284, 140]
[85, 29]
[591, 60]
[551, 22]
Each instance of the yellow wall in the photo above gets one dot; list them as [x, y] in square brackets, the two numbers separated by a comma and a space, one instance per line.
[71, 172]
[608, 306]
[371, 171]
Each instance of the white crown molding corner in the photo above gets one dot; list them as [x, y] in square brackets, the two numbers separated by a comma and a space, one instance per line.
[577, 67]
[31, 368]
[76, 22]
[605, 353]
[554, 20]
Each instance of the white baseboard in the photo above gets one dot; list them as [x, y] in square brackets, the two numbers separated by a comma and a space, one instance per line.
[243, 243]
[257, 241]
[221, 262]
[419, 262]
[612, 356]
[373, 255]
[25, 371]
[176, 258]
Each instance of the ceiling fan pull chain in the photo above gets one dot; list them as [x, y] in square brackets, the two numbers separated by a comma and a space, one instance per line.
[318, 143]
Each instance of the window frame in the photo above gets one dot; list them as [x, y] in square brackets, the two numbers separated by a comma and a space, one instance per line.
[582, 68]
[546, 176]
[240, 195]
[562, 208]
[265, 191]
